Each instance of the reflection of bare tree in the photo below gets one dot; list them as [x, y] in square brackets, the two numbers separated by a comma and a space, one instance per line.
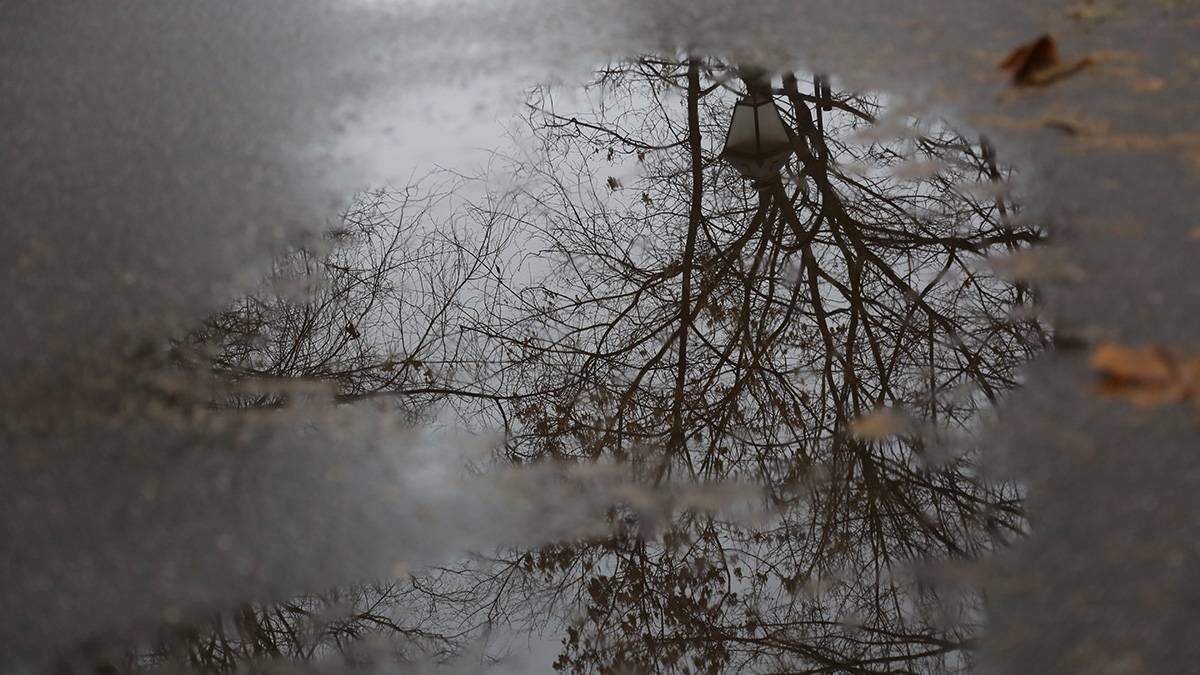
[378, 314]
[311, 628]
[696, 327]
[707, 328]
[375, 311]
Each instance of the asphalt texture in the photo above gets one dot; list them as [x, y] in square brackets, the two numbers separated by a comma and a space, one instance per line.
[144, 180]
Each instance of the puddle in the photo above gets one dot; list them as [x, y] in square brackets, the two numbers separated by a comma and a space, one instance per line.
[780, 354]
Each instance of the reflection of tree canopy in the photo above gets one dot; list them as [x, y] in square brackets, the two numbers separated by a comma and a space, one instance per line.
[697, 327]
[380, 314]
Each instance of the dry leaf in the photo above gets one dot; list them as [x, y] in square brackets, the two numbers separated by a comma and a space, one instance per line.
[1145, 375]
[1094, 10]
[1036, 266]
[1039, 54]
[1037, 64]
[877, 425]
[1149, 85]
[1068, 127]
[916, 170]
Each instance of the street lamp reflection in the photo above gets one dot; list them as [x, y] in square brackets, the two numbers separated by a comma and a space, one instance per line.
[757, 143]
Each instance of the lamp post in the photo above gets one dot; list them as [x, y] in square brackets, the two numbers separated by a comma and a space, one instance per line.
[757, 143]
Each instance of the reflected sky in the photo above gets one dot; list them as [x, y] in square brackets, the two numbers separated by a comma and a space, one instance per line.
[606, 289]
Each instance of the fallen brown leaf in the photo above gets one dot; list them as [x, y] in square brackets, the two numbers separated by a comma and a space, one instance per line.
[1146, 375]
[1068, 127]
[1037, 63]
[1041, 53]
[877, 425]
[1094, 10]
